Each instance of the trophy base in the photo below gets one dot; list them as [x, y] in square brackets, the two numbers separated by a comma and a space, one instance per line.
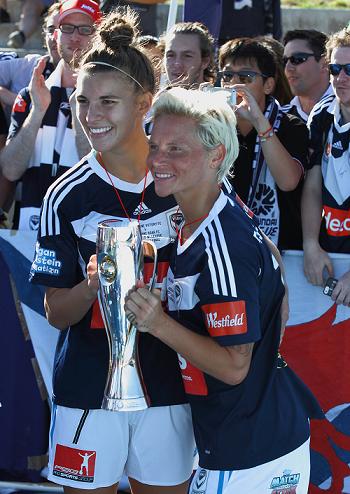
[124, 405]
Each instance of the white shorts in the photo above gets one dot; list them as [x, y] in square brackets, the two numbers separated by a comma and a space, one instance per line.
[289, 473]
[91, 449]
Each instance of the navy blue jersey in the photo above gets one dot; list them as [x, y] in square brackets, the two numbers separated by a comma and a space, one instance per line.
[71, 210]
[330, 144]
[224, 283]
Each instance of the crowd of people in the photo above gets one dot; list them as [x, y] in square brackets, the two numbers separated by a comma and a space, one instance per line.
[239, 149]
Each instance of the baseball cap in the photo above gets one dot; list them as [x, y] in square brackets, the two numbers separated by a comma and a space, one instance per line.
[88, 7]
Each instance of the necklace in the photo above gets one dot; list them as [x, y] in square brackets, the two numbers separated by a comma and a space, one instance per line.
[179, 231]
[140, 208]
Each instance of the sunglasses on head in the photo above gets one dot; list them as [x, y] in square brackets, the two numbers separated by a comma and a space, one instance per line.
[298, 58]
[82, 30]
[336, 68]
[242, 76]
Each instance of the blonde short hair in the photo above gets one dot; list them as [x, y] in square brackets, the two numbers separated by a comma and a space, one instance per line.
[215, 119]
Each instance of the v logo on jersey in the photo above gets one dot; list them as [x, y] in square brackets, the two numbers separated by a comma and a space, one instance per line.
[141, 209]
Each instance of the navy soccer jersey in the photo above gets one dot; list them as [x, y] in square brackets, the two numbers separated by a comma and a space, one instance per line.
[330, 144]
[224, 283]
[71, 210]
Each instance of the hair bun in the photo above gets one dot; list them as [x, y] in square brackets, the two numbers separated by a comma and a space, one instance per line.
[119, 28]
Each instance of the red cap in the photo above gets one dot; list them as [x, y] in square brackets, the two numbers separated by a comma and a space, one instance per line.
[88, 7]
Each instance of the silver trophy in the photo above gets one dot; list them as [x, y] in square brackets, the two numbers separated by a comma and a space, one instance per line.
[120, 258]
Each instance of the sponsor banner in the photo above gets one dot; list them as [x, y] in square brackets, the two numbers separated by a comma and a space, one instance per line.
[316, 345]
[225, 318]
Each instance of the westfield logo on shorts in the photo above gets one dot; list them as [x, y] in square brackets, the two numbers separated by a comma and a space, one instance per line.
[226, 318]
[337, 222]
[74, 464]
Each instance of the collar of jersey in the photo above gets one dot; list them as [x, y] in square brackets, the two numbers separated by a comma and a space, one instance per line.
[218, 206]
[117, 182]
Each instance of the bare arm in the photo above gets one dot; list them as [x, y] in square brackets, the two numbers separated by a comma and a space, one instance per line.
[228, 364]
[15, 157]
[315, 258]
[67, 306]
[7, 97]
[285, 170]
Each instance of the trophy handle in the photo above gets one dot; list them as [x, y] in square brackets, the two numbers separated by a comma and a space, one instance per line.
[150, 250]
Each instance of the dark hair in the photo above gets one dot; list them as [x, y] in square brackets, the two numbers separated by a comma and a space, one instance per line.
[148, 40]
[282, 91]
[206, 43]
[53, 10]
[115, 43]
[249, 49]
[315, 39]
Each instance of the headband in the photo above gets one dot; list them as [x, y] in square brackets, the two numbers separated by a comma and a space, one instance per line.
[116, 68]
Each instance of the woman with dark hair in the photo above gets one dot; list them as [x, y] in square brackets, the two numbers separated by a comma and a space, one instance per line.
[89, 447]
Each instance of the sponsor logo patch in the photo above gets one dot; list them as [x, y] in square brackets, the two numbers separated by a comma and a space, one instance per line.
[74, 464]
[45, 262]
[193, 379]
[287, 483]
[337, 222]
[225, 318]
[176, 220]
[19, 105]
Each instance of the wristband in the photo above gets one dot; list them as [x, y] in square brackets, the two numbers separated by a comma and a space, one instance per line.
[263, 134]
[266, 136]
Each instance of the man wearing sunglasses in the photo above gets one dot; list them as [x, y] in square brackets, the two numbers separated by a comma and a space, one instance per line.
[45, 137]
[273, 144]
[326, 195]
[306, 70]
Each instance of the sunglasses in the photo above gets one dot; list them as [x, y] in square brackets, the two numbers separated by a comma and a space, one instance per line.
[82, 30]
[336, 68]
[298, 58]
[242, 76]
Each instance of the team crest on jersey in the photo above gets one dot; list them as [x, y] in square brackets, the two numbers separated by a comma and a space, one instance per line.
[226, 318]
[34, 222]
[176, 220]
[287, 483]
[74, 464]
[200, 484]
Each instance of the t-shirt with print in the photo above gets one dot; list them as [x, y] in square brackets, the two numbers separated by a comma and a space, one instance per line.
[293, 135]
[72, 208]
[223, 283]
[330, 144]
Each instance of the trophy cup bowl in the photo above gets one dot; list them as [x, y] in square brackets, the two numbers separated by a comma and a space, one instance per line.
[120, 258]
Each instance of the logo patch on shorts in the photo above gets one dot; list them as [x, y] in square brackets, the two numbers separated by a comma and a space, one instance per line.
[287, 483]
[225, 318]
[199, 486]
[74, 464]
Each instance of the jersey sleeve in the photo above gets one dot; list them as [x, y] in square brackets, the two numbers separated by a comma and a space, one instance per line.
[20, 112]
[228, 288]
[56, 260]
[317, 137]
[294, 136]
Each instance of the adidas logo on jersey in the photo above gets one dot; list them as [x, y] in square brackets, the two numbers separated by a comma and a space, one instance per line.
[141, 209]
[338, 145]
